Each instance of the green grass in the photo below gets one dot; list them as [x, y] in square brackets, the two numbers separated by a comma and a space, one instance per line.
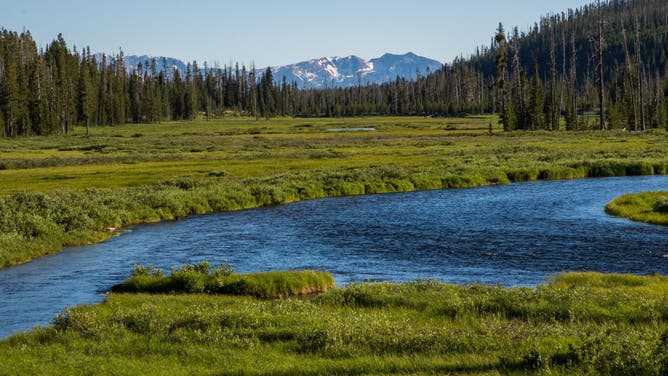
[201, 278]
[648, 207]
[60, 191]
[576, 324]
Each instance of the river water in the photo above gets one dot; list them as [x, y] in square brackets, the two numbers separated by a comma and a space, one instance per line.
[514, 235]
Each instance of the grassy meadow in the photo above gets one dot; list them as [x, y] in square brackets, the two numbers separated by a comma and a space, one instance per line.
[60, 191]
[576, 324]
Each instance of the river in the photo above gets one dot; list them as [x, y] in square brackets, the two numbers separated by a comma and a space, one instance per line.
[513, 235]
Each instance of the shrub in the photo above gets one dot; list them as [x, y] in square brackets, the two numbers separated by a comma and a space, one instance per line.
[146, 271]
[661, 205]
[639, 168]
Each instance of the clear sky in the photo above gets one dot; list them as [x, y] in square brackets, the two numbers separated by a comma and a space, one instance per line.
[274, 32]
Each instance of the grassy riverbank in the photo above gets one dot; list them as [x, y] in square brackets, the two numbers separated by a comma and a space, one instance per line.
[60, 191]
[648, 207]
[575, 324]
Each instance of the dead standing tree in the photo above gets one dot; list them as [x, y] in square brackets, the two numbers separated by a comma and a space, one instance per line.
[639, 67]
[599, 45]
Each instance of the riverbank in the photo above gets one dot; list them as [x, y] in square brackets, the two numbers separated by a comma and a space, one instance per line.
[66, 191]
[582, 323]
[515, 235]
[648, 207]
[37, 224]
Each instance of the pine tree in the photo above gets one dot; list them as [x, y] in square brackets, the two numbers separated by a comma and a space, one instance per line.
[536, 99]
[84, 93]
[501, 74]
[9, 92]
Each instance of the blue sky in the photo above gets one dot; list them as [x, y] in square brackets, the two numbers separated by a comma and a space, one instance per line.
[274, 32]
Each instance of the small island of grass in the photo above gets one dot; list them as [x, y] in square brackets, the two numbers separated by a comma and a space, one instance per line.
[201, 278]
[648, 207]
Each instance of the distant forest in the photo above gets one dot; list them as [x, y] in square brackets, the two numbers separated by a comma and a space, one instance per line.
[607, 58]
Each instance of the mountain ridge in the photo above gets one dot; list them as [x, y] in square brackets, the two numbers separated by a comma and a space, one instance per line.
[353, 70]
[324, 72]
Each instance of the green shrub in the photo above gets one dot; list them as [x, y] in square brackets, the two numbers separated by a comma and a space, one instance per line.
[639, 168]
[522, 175]
[605, 169]
[661, 205]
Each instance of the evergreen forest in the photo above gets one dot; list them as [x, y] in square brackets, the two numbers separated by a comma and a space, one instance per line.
[601, 66]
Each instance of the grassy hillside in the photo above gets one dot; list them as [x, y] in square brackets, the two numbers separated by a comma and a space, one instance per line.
[575, 324]
[61, 191]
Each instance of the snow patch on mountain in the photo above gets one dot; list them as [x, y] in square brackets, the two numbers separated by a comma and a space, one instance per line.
[315, 73]
[353, 70]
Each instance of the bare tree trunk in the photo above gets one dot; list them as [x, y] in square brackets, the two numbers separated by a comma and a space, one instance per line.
[658, 102]
[553, 79]
[601, 84]
[562, 79]
[641, 94]
[11, 120]
[517, 84]
[573, 78]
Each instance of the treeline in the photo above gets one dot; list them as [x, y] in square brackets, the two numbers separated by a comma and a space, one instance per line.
[51, 90]
[603, 65]
[608, 58]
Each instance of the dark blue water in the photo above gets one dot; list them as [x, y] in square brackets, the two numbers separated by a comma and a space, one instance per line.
[515, 235]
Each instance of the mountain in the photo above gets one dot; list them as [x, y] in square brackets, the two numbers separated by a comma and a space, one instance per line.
[353, 70]
[133, 61]
[320, 73]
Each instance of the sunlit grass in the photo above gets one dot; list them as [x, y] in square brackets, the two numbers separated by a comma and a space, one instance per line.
[147, 153]
[65, 190]
[202, 278]
[575, 324]
[117, 176]
[649, 207]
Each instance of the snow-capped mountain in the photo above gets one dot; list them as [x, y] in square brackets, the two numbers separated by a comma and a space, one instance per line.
[353, 70]
[317, 73]
[133, 61]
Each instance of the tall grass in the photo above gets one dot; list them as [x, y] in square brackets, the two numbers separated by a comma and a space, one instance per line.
[35, 224]
[575, 324]
[201, 278]
[649, 207]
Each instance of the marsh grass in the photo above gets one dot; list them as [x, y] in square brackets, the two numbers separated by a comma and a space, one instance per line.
[575, 324]
[63, 191]
[649, 207]
[201, 278]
